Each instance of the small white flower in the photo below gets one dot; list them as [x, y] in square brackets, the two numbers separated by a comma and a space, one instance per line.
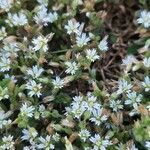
[99, 143]
[58, 83]
[72, 67]
[77, 99]
[43, 17]
[133, 99]
[40, 43]
[17, 19]
[6, 4]
[35, 71]
[42, 110]
[26, 110]
[34, 88]
[144, 19]
[29, 134]
[148, 107]
[124, 86]
[146, 62]
[43, 2]
[10, 49]
[3, 121]
[116, 105]
[147, 144]
[91, 55]
[3, 33]
[33, 145]
[103, 45]
[4, 93]
[132, 147]
[76, 110]
[82, 40]
[91, 103]
[26, 148]
[84, 134]
[97, 117]
[8, 143]
[146, 84]
[5, 64]
[128, 60]
[133, 112]
[72, 27]
[12, 78]
[45, 143]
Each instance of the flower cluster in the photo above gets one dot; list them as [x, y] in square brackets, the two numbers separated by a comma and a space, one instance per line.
[63, 84]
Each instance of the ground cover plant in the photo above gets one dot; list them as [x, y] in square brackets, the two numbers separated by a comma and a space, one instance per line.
[74, 75]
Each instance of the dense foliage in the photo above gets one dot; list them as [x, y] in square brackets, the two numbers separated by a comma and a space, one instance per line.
[75, 75]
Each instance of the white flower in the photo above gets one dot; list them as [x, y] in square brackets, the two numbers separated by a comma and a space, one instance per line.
[103, 45]
[43, 2]
[124, 86]
[3, 121]
[76, 109]
[148, 107]
[5, 64]
[133, 99]
[82, 40]
[40, 43]
[45, 143]
[42, 17]
[10, 49]
[26, 110]
[34, 88]
[58, 83]
[133, 112]
[6, 4]
[84, 134]
[72, 67]
[146, 84]
[97, 117]
[77, 99]
[3, 33]
[4, 93]
[132, 147]
[128, 60]
[35, 71]
[146, 62]
[91, 54]
[33, 145]
[17, 19]
[116, 105]
[91, 103]
[26, 148]
[8, 143]
[147, 144]
[144, 19]
[99, 143]
[72, 27]
[12, 78]
[29, 134]
[42, 110]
